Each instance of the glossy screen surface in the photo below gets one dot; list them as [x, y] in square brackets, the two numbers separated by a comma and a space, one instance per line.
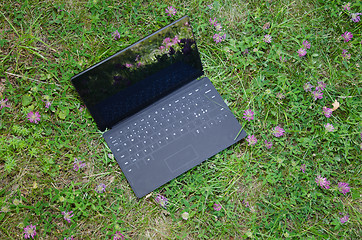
[137, 76]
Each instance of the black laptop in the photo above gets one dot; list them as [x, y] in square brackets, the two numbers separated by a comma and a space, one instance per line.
[162, 117]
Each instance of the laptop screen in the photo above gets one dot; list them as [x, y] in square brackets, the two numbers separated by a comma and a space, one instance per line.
[142, 73]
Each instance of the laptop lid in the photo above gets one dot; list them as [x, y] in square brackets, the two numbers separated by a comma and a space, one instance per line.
[140, 74]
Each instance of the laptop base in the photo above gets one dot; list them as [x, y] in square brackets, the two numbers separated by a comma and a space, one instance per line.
[173, 135]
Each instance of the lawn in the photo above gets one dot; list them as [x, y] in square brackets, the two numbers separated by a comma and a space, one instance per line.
[290, 71]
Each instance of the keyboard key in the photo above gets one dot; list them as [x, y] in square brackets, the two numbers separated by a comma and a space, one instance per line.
[133, 159]
[153, 138]
[148, 159]
[204, 118]
[146, 151]
[130, 169]
[123, 155]
[161, 142]
[139, 154]
[190, 126]
[126, 144]
[154, 146]
[132, 150]
[198, 122]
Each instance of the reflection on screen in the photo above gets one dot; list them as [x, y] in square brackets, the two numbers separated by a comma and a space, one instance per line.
[137, 76]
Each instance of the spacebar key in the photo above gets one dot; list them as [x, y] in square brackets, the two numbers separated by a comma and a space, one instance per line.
[173, 147]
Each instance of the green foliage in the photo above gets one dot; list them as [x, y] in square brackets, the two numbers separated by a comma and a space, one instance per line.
[263, 192]
[10, 164]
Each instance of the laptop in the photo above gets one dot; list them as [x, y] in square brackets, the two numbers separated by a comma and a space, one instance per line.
[159, 115]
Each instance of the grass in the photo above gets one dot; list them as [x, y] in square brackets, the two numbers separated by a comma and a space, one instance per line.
[262, 192]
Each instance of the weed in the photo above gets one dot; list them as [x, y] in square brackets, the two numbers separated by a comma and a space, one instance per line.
[280, 65]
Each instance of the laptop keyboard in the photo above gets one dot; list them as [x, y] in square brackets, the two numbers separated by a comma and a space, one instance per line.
[193, 111]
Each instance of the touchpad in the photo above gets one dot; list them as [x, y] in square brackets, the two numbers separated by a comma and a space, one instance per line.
[181, 158]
